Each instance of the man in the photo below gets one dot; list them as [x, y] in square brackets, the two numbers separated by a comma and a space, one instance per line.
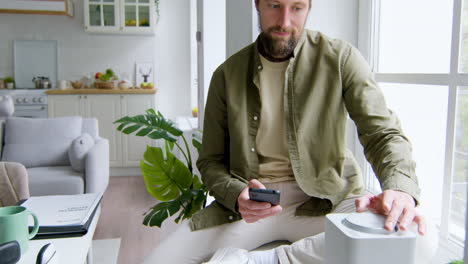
[276, 117]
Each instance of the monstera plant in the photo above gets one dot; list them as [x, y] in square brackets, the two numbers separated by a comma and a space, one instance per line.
[168, 179]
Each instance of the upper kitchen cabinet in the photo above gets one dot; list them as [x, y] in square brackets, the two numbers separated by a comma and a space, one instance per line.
[120, 16]
[44, 7]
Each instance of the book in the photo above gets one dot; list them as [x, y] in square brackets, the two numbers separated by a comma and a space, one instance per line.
[63, 215]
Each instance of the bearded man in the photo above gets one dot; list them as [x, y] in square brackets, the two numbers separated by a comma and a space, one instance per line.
[276, 118]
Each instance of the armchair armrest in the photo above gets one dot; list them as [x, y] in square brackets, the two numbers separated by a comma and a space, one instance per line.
[97, 166]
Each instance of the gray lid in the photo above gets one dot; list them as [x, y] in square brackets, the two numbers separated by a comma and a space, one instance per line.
[367, 222]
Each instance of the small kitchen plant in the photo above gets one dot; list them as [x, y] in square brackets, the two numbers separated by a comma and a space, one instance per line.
[168, 179]
[9, 82]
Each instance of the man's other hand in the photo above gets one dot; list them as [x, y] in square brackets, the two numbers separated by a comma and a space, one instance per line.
[252, 211]
[398, 206]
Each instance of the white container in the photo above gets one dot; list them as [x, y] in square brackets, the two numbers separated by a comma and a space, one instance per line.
[64, 84]
[359, 238]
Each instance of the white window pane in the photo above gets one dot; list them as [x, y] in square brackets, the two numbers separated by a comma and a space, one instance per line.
[460, 177]
[464, 48]
[415, 36]
[422, 110]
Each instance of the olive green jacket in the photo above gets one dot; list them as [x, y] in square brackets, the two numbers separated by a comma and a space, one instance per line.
[326, 80]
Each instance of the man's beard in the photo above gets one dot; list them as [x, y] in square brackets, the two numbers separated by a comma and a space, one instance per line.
[278, 48]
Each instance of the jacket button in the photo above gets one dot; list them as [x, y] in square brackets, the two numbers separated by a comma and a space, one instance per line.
[230, 217]
[255, 118]
[260, 67]
[252, 150]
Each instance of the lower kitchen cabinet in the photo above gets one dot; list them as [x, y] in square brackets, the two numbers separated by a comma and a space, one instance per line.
[125, 150]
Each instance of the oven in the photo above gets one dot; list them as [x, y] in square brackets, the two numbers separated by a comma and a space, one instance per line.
[31, 111]
[28, 103]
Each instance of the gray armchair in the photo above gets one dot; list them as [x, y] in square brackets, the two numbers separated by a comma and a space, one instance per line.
[62, 155]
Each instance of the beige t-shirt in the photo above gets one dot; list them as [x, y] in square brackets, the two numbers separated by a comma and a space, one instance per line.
[271, 141]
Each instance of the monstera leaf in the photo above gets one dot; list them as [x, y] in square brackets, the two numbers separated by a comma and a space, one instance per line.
[170, 181]
[197, 140]
[160, 212]
[191, 201]
[165, 179]
[151, 124]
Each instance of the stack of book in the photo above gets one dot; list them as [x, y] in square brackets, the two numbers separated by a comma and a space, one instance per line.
[63, 215]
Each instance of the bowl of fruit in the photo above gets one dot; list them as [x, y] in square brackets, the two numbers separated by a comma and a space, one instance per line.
[146, 85]
[105, 80]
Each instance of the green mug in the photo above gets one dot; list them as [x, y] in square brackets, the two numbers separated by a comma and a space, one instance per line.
[14, 226]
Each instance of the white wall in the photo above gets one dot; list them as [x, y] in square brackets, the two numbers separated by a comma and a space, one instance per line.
[80, 52]
[214, 37]
[172, 58]
[239, 25]
[336, 18]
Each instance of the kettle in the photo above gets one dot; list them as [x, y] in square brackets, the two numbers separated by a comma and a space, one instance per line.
[41, 82]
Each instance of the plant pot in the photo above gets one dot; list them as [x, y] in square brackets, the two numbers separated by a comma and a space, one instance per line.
[10, 85]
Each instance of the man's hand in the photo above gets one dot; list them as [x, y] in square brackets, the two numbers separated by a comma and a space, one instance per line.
[252, 211]
[399, 207]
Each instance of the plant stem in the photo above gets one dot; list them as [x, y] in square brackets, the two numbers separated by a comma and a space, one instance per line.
[181, 204]
[188, 152]
[189, 164]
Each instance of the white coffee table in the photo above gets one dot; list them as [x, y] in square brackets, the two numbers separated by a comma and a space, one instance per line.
[71, 250]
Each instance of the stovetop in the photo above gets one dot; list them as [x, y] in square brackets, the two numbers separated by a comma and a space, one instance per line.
[23, 91]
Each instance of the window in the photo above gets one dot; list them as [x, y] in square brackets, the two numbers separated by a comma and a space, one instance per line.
[419, 52]
[460, 166]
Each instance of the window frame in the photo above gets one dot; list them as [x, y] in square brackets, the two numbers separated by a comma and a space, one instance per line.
[368, 44]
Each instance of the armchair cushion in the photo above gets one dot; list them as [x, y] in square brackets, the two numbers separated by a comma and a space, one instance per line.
[58, 180]
[78, 149]
[36, 142]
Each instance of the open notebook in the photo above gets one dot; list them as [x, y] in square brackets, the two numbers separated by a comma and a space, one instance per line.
[63, 215]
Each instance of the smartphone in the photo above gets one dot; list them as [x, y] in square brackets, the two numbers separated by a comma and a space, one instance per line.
[265, 195]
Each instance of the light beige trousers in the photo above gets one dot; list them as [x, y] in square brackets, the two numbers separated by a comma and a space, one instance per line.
[184, 246]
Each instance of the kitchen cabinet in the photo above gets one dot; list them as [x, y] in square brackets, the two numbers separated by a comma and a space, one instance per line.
[120, 16]
[44, 7]
[125, 150]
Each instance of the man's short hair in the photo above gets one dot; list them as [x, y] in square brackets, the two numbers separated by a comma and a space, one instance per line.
[310, 3]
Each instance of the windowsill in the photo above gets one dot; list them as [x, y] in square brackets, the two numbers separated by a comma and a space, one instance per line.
[447, 251]
[186, 123]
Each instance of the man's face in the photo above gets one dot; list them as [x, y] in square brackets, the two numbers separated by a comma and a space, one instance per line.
[282, 23]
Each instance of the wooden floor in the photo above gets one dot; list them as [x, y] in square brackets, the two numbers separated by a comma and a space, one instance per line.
[123, 205]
